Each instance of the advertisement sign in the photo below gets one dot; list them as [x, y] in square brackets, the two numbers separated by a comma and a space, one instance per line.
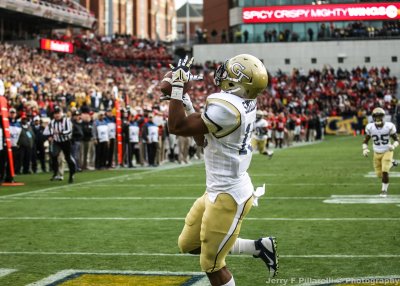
[56, 46]
[338, 125]
[321, 13]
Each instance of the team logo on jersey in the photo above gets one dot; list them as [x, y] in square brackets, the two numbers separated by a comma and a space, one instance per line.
[237, 69]
[249, 105]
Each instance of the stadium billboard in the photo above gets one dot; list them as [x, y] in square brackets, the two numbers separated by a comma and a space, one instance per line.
[56, 46]
[321, 13]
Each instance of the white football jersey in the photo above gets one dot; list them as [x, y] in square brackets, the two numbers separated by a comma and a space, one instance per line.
[380, 136]
[260, 129]
[227, 152]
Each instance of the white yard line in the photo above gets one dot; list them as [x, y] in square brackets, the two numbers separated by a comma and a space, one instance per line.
[362, 199]
[6, 271]
[391, 174]
[182, 218]
[189, 255]
[95, 185]
[65, 273]
[90, 183]
[162, 184]
[148, 198]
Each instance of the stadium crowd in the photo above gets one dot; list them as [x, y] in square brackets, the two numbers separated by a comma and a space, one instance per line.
[38, 83]
[324, 32]
[69, 4]
[122, 49]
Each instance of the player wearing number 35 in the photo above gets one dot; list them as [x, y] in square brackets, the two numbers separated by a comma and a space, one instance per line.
[224, 129]
[381, 132]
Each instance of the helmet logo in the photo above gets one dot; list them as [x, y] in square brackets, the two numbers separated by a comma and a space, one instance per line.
[237, 69]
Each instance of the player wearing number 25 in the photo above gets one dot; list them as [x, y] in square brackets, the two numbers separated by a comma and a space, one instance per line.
[380, 132]
[224, 129]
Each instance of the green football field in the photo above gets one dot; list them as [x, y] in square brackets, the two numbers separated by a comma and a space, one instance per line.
[121, 227]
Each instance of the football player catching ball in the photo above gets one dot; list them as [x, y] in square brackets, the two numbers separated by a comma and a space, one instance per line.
[224, 129]
[380, 132]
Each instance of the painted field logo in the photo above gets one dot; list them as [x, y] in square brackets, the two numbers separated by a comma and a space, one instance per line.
[127, 278]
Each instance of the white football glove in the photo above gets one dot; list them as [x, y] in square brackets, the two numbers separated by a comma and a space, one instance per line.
[187, 103]
[365, 150]
[259, 192]
[393, 146]
[180, 76]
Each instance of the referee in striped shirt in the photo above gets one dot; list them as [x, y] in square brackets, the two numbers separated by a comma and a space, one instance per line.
[59, 131]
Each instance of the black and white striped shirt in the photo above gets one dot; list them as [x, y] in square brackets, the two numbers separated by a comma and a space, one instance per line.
[60, 130]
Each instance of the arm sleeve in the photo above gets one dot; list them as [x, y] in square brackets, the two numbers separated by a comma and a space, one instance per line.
[94, 131]
[47, 130]
[221, 117]
[368, 130]
[68, 127]
[393, 130]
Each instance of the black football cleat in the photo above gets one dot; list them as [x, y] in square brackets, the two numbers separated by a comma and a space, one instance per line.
[268, 253]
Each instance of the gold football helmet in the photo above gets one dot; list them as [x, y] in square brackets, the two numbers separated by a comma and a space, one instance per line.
[377, 115]
[243, 75]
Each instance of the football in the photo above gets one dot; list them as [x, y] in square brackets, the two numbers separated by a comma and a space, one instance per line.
[166, 86]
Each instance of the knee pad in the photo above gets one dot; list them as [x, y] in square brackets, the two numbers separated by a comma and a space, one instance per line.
[182, 244]
[209, 265]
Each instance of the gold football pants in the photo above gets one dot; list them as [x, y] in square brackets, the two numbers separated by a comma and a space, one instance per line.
[213, 227]
[259, 145]
[382, 162]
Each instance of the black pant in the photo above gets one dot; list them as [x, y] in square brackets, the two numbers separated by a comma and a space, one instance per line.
[17, 159]
[133, 150]
[65, 147]
[101, 154]
[151, 152]
[38, 153]
[25, 155]
[5, 172]
[111, 153]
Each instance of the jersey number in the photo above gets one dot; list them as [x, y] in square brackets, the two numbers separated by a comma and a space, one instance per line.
[243, 150]
[381, 140]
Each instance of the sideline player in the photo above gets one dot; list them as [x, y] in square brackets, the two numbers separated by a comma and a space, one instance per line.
[380, 132]
[259, 140]
[224, 130]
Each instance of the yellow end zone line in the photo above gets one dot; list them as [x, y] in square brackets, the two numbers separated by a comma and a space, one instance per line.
[65, 273]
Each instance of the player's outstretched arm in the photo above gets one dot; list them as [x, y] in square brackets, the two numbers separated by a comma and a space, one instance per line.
[178, 122]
